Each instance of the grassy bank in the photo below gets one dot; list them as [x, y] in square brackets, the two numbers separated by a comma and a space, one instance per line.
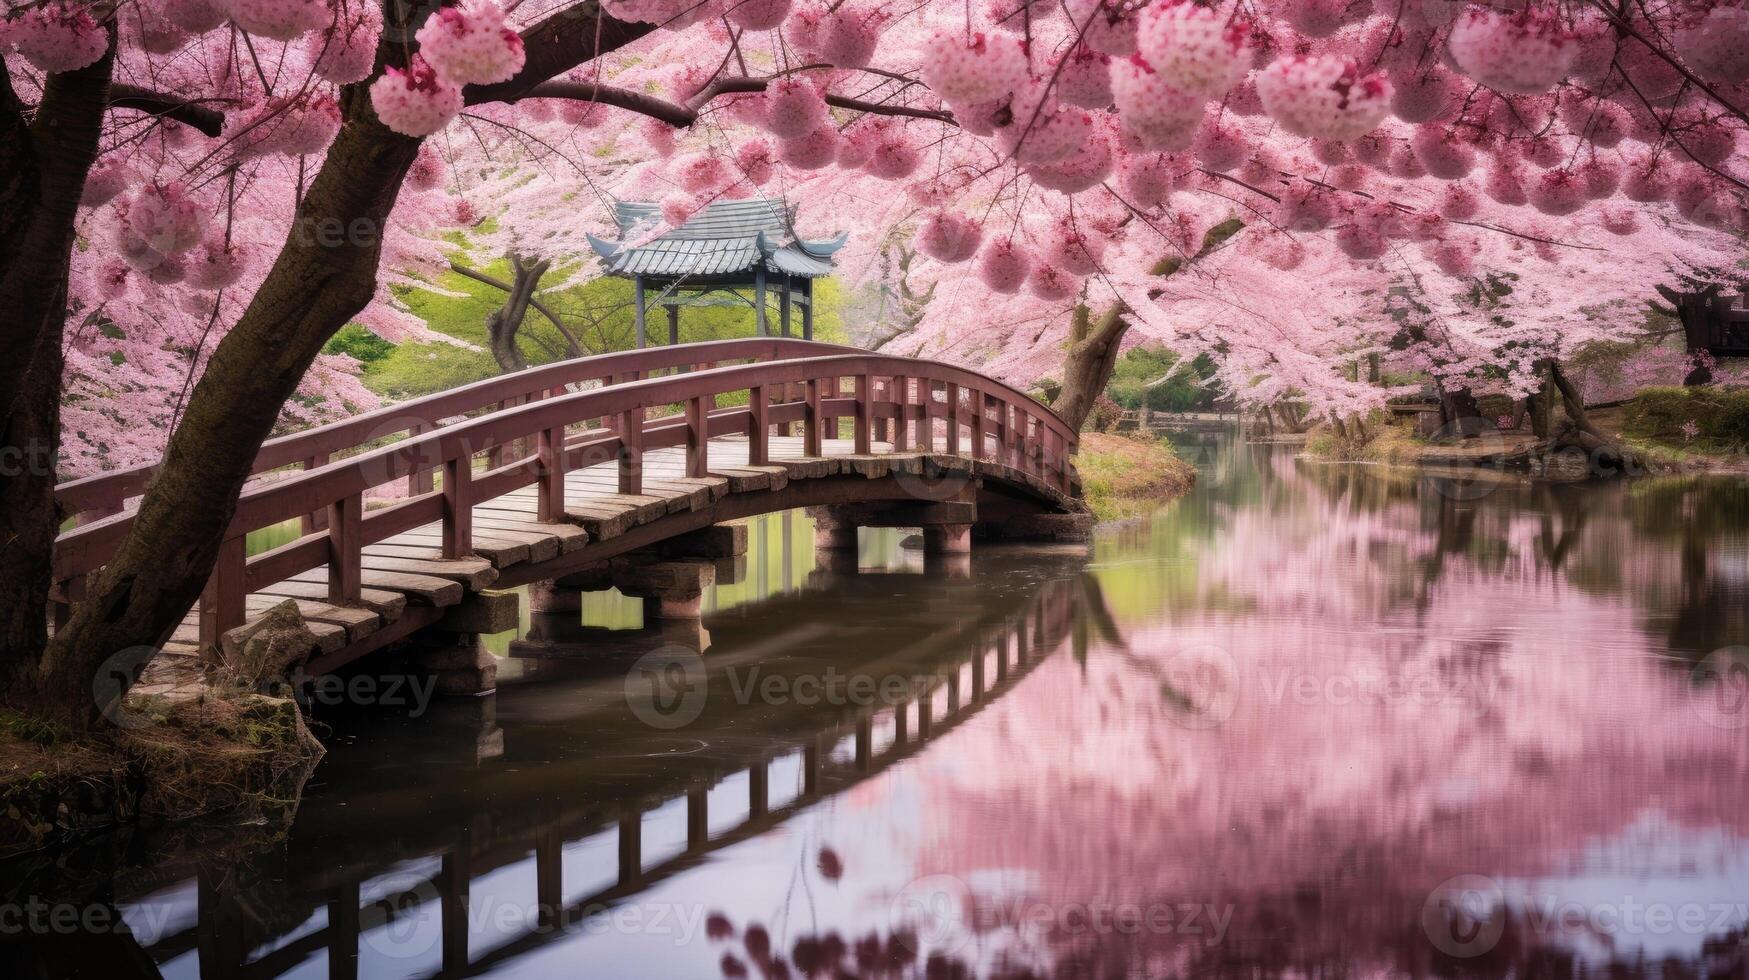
[1126, 477]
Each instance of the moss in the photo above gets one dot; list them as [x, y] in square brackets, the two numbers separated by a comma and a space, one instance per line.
[1126, 476]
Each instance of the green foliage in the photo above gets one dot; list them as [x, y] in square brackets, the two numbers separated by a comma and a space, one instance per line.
[1719, 416]
[26, 729]
[1133, 381]
[359, 344]
[599, 312]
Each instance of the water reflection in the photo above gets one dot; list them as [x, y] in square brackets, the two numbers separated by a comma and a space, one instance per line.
[1313, 720]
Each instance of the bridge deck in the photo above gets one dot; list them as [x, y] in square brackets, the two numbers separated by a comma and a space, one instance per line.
[407, 581]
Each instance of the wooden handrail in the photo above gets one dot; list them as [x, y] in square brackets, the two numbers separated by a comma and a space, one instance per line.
[1027, 436]
[104, 493]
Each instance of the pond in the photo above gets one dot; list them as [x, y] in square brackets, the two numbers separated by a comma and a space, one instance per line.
[1312, 720]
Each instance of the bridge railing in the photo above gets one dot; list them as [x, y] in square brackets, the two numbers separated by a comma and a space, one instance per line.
[1002, 423]
[106, 494]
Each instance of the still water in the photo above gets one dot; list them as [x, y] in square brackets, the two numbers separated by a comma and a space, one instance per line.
[1312, 720]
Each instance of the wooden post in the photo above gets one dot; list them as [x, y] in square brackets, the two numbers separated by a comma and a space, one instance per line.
[925, 415]
[975, 405]
[901, 397]
[313, 522]
[631, 849]
[864, 412]
[698, 439]
[808, 309]
[953, 419]
[759, 301]
[864, 743]
[343, 933]
[345, 549]
[631, 451]
[674, 323]
[698, 823]
[811, 419]
[549, 876]
[758, 427]
[222, 604]
[551, 503]
[783, 307]
[758, 789]
[458, 506]
[420, 481]
[454, 905]
[638, 309]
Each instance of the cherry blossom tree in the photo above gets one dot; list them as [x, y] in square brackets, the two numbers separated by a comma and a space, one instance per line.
[1053, 161]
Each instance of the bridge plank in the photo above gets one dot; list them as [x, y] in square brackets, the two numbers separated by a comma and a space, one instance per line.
[423, 590]
[568, 537]
[355, 623]
[472, 573]
[388, 605]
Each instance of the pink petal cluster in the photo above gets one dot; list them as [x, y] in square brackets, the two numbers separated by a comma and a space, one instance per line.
[156, 222]
[57, 37]
[1324, 96]
[1004, 266]
[345, 51]
[794, 108]
[1558, 191]
[1203, 51]
[469, 44]
[427, 171]
[966, 71]
[697, 173]
[194, 16]
[415, 102]
[1052, 285]
[948, 237]
[307, 125]
[1147, 180]
[1527, 52]
[281, 20]
[1443, 152]
[1085, 78]
[1157, 115]
[1085, 168]
[813, 151]
[756, 160]
[758, 15]
[846, 36]
[107, 178]
[215, 265]
[1109, 25]
[1717, 47]
[1040, 130]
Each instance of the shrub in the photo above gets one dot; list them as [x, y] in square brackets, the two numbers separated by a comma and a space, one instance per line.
[1721, 415]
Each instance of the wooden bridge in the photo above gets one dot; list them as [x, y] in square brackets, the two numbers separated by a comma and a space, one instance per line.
[410, 510]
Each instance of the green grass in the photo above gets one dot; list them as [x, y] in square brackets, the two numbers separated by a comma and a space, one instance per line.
[1719, 418]
[1126, 477]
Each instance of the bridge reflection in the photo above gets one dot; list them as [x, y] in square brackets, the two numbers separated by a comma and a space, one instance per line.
[561, 779]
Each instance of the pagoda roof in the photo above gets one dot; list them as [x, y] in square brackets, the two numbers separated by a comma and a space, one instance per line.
[726, 238]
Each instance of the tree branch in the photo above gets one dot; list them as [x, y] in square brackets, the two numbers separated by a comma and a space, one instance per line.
[534, 301]
[189, 113]
[682, 116]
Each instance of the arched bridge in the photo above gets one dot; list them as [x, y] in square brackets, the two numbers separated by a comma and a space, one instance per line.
[408, 511]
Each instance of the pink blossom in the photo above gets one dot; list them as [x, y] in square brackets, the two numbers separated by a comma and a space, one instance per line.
[1717, 47]
[1110, 24]
[969, 71]
[755, 159]
[1041, 130]
[794, 108]
[697, 173]
[415, 102]
[108, 177]
[758, 15]
[1505, 181]
[194, 16]
[1147, 180]
[281, 20]
[308, 124]
[1201, 51]
[57, 37]
[1159, 116]
[846, 35]
[1647, 179]
[813, 151]
[1454, 256]
[1425, 96]
[1085, 168]
[1072, 251]
[1004, 266]
[469, 44]
[948, 237]
[1621, 221]
[1442, 152]
[1305, 207]
[427, 171]
[1526, 53]
[678, 207]
[1316, 18]
[1085, 78]
[1324, 97]
[215, 265]
[1220, 146]
[345, 51]
[1051, 284]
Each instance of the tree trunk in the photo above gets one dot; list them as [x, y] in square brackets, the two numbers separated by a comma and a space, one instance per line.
[42, 175]
[1460, 412]
[325, 275]
[1087, 366]
[503, 323]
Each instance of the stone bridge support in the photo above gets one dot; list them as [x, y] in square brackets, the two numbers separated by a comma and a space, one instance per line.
[946, 525]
